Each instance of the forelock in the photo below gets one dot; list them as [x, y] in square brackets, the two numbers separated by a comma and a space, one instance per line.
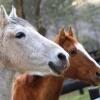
[19, 21]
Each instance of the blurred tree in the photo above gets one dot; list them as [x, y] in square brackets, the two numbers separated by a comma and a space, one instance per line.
[49, 15]
[20, 8]
[38, 17]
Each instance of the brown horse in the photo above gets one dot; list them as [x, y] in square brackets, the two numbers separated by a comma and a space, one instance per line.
[82, 67]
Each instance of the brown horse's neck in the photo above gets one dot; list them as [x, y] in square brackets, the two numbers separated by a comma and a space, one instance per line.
[37, 88]
[53, 88]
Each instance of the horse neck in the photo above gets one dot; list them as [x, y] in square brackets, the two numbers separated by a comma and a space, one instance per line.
[53, 88]
[6, 77]
[43, 88]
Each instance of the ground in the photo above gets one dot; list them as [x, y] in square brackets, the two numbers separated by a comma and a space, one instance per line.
[76, 96]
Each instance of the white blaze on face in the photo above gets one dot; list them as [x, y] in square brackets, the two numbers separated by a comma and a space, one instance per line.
[81, 48]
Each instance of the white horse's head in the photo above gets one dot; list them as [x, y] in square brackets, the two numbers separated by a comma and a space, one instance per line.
[24, 49]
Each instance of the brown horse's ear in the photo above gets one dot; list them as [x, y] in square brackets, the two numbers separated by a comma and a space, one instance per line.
[70, 31]
[62, 33]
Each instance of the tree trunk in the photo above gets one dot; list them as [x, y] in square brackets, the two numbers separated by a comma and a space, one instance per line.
[20, 8]
[39, 25]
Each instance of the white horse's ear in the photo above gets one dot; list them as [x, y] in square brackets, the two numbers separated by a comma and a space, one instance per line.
[3, 16]
[13, 12]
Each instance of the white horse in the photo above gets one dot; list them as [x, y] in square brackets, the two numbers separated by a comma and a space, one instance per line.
[23, 49]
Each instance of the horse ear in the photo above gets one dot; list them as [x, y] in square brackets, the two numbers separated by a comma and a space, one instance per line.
[70, 31]
[3, 16]
[62, 33]
[13, 12]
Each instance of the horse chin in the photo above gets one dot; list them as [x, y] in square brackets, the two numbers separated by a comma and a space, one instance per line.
[55, 69]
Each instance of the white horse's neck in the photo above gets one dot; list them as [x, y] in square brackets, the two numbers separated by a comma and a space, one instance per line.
[6, 78]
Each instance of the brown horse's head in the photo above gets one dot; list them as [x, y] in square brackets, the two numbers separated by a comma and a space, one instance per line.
[82, 66]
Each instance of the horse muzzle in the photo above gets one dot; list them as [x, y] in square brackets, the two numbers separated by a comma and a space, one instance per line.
[61, 65]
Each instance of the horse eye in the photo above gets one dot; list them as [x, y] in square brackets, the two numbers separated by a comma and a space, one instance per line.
[20, 35]
[73, 52]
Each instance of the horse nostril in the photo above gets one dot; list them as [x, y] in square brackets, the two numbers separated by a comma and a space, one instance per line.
[61, 56]
[98, 74]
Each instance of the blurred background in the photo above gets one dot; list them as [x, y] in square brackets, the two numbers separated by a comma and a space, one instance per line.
[48, 16]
